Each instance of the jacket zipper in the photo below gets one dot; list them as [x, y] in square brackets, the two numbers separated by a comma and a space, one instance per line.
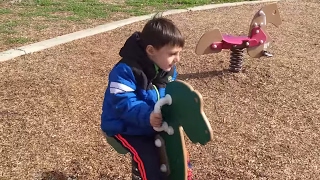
[155, 87]
[158, 94]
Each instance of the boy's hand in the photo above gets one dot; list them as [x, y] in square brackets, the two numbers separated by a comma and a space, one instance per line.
[155, 119]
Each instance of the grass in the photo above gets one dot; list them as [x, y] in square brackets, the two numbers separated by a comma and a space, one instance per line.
[17, 40]
[40, 18]
[68, 9]
[8, 27]
[4, 11]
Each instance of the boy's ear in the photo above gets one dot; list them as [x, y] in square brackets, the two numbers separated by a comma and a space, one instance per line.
[150, 50]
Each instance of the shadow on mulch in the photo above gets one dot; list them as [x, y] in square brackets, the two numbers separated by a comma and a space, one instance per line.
[54, 175]
[204, 74]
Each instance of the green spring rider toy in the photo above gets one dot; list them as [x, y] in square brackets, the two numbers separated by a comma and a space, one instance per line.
[182, 111]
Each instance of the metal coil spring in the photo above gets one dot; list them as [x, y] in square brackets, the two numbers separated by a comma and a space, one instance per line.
[236, 59]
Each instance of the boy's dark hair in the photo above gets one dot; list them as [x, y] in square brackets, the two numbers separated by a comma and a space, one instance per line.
[160, 31]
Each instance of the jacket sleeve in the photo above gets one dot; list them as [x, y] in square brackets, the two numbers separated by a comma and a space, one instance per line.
[122, 87]
[162, 85]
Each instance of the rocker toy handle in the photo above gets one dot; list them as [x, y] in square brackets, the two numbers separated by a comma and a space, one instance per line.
[157, 109]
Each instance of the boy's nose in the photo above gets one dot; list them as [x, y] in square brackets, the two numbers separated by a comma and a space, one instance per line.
[177, 59]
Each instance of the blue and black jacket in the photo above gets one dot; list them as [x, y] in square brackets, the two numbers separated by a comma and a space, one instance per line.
[135, 85]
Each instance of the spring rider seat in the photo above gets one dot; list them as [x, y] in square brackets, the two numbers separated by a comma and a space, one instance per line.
[256, 43]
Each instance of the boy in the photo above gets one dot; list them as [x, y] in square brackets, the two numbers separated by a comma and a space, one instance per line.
[135, 84]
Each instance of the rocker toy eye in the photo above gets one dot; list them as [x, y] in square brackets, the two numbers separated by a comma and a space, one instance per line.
[274, 12]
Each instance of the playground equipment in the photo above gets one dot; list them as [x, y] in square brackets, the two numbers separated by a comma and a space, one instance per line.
[256, 43]
[182, 111]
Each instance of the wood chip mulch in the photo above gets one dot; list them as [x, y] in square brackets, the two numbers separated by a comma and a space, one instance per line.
[265, 119]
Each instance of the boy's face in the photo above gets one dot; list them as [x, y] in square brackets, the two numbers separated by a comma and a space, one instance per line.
[165, 57]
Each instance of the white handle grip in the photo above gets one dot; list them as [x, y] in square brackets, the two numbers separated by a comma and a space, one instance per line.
[157, 109]
[166, 100]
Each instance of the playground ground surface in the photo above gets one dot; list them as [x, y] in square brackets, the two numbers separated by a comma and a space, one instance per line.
[265, 119]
